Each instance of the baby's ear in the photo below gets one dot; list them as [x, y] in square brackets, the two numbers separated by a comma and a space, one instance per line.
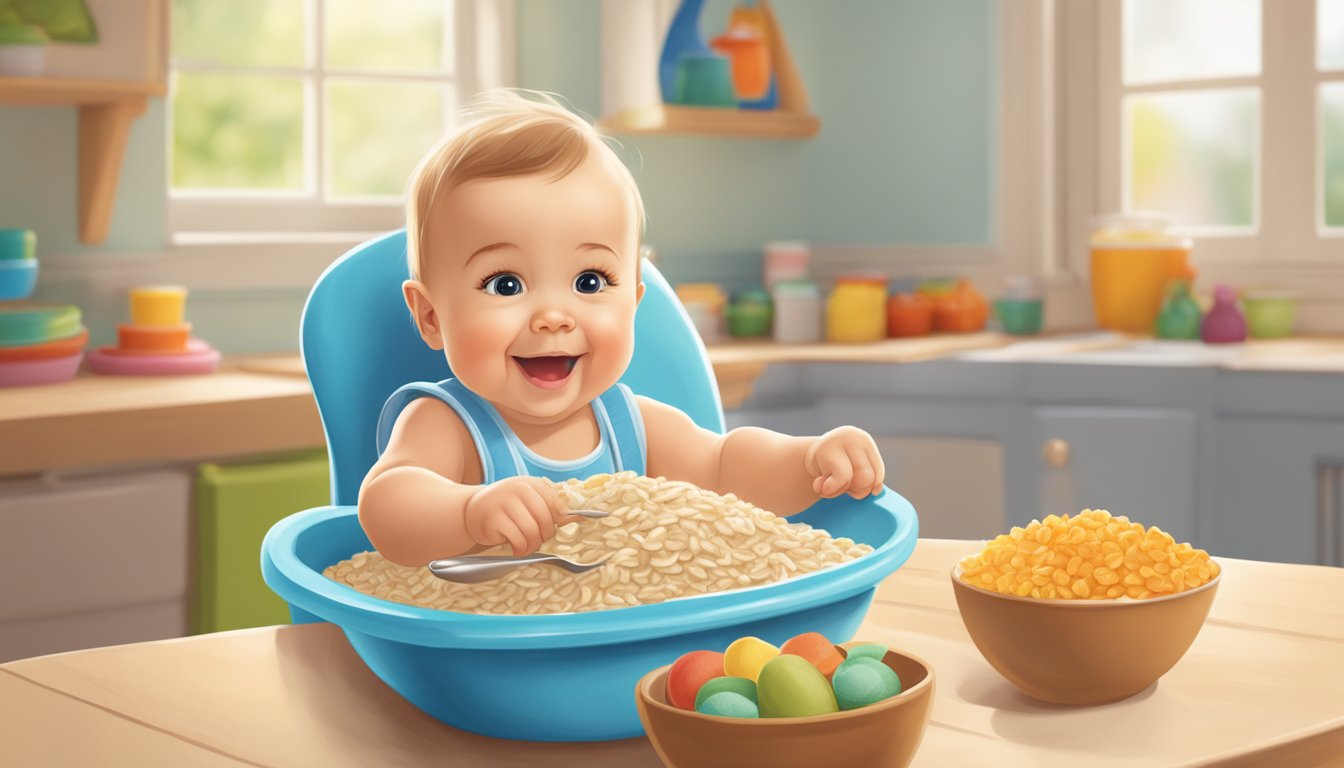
[639, 292]
[426, 319]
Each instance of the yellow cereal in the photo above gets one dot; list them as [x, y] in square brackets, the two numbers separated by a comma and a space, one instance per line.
[1091, 555]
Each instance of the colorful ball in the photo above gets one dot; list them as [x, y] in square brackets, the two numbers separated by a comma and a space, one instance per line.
[739, 685]
[746, 656]
[876, 651]
[861, 681]
[814, 647]
[690, 672]
[790, 686]
[728, 704]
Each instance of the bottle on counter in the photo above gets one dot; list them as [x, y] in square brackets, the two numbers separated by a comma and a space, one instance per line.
[1225, 324]
[704, 302]
[1020, 310]
[856, 309]
[798, 312]
[909, 314]
[1180, 316]
[785, 260]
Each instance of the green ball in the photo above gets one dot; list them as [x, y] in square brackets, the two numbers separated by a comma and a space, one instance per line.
[876, 651]
[739, 685]
[728, 704]
[862, 681]
[789, 686]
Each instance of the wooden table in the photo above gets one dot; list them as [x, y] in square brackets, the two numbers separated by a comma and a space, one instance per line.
[1262, 685]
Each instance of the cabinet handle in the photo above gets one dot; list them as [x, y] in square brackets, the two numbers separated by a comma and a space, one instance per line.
[1056, 452]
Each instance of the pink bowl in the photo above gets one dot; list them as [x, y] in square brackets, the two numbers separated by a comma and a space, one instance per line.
[23, 373]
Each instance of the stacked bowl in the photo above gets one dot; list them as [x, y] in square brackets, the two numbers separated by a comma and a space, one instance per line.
[158, 339]
[39, 343]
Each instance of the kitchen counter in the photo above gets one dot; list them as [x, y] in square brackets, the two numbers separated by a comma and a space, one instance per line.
[261, 405]
[1260, 686]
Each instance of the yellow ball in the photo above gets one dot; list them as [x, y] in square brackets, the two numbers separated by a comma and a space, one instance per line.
[746, 656]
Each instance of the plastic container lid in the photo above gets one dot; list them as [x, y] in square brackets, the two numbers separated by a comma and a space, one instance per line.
[1135, 229]
[37, 323]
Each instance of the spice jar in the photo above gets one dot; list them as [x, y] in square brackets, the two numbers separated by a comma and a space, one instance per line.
[798, 311]
[856, 309]
[909, 314]
[704, 303]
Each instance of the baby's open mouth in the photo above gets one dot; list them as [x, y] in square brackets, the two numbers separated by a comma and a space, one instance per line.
[549, 371]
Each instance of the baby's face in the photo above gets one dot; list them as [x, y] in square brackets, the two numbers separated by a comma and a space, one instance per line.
[534, 283]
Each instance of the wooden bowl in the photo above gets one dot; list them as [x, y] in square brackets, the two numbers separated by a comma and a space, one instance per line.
[883, 734]
[1082, 651]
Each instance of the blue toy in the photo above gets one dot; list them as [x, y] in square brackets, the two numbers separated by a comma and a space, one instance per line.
[561, 677]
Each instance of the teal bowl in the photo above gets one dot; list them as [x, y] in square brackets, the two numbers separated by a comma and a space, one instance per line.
[18, 278]
[1019, 317]
[18, 245]
[705, 80]
[568, 676]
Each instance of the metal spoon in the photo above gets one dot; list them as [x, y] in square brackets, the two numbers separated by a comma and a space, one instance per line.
[473, 569]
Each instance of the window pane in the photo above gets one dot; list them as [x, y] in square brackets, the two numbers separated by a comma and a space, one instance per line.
[1332, 144]
[1192, 155]
[1330, 34]
[237, 132]
[240, 33]
[405, 36]
[1169, 40]
[376, 133]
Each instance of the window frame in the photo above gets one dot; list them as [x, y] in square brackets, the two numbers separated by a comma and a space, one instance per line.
[1291, 246]
[483, 57]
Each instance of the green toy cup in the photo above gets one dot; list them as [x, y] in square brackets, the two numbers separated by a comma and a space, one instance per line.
[1270, 314]
[1019, 317]
[17, 244]
[705, 80]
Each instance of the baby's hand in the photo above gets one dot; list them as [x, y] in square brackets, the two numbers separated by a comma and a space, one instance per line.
[845, 460]
[520, 511]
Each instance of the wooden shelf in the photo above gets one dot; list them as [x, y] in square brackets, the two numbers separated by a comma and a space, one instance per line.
[106, 110]
[669, 119]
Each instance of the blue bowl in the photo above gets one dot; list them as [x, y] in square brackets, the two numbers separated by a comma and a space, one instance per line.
[570, 676]
[18, 278]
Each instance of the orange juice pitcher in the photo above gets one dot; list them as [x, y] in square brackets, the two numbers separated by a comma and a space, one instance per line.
[1133, 258]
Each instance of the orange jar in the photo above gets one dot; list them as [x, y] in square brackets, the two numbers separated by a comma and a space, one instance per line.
[909, 314]
[1133, 259]
[960, 309]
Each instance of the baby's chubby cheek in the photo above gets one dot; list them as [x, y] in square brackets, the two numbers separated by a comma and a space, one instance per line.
[478, 349]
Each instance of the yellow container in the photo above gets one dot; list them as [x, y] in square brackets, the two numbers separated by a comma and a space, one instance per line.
[158, 305]
[1133, 259]
[856, 310]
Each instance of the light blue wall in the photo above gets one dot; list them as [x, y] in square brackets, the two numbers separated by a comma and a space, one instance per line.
[905, 90]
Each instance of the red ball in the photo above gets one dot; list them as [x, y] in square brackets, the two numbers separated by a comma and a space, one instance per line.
[690, 672]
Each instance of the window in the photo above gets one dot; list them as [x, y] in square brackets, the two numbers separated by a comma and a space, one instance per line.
[1227, 115]
[288, 118]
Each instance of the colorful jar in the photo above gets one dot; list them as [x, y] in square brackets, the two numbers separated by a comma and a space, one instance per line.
[909, 314]
[750, 315]
[785, 260]
[856, 309]
[704, 302]
[1134, 257]
[798, 312]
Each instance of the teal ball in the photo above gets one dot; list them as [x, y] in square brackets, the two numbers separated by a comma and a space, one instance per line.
[869, 650]
[862, 681]
[739, 685]
[728, 704]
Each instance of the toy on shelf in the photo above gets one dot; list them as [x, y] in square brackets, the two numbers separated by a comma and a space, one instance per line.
[157, 341]
[39, 343]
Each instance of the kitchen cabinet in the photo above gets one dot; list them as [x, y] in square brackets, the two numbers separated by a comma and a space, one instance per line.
[1139, 462]
[1278, 489]
[92, 560]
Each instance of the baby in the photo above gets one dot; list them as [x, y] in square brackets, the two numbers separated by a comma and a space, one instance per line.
[523, 233]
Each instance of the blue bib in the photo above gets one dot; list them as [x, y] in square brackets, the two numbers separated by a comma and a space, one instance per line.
[621, 447]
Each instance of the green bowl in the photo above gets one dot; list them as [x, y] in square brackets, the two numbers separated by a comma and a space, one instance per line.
[1019, 317]
[1271, 316]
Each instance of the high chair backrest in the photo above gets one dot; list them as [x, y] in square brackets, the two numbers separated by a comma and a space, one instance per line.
[359, 344]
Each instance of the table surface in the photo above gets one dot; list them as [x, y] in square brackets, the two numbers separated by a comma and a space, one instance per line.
[1260, 686]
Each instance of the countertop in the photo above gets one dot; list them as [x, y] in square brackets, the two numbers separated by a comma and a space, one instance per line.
[1260, 686]
[261, 405]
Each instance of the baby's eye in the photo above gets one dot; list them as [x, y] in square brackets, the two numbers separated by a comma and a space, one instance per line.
[504, 284]
[590, 282]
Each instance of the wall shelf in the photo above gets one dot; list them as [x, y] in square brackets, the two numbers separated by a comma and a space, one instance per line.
[670, 119]
[106, 110]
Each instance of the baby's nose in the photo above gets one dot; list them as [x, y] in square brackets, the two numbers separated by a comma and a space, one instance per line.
[552, 319]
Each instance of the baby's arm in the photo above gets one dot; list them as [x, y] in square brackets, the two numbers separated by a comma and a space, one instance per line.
[781, 473]
[418, 504]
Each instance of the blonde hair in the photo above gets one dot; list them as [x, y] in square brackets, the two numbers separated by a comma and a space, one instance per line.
[505, 132]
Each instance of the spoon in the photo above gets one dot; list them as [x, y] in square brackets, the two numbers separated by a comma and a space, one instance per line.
[473, 569]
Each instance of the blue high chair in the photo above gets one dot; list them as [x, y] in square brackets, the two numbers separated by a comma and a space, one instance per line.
[514, 676]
